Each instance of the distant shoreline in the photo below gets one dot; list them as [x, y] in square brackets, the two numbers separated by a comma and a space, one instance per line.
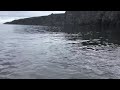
[104, 19]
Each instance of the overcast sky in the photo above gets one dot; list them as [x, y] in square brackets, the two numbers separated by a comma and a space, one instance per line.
[6, 16]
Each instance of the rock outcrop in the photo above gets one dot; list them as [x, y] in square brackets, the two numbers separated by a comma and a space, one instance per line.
[53, 19]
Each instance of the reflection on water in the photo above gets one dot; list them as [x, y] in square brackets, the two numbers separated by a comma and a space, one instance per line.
[108, 35]
[36, 52]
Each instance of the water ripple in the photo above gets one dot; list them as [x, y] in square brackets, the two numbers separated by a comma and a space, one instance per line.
[33, 52]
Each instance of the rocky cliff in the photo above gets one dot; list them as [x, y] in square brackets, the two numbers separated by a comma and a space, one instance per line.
[80, 18]
[107, 18]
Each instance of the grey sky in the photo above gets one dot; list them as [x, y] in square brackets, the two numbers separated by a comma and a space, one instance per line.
[6, 16]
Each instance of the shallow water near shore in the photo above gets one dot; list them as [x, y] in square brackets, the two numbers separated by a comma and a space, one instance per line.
[32, 52]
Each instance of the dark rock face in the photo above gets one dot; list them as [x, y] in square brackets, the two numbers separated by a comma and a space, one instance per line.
[107, 18]
[92, 20]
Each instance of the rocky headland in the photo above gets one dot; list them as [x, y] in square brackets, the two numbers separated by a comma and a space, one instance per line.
[103, 19]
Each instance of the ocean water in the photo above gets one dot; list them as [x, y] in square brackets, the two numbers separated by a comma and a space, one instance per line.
[33, 52]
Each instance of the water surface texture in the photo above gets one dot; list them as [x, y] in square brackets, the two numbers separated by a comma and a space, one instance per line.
[31, 52]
